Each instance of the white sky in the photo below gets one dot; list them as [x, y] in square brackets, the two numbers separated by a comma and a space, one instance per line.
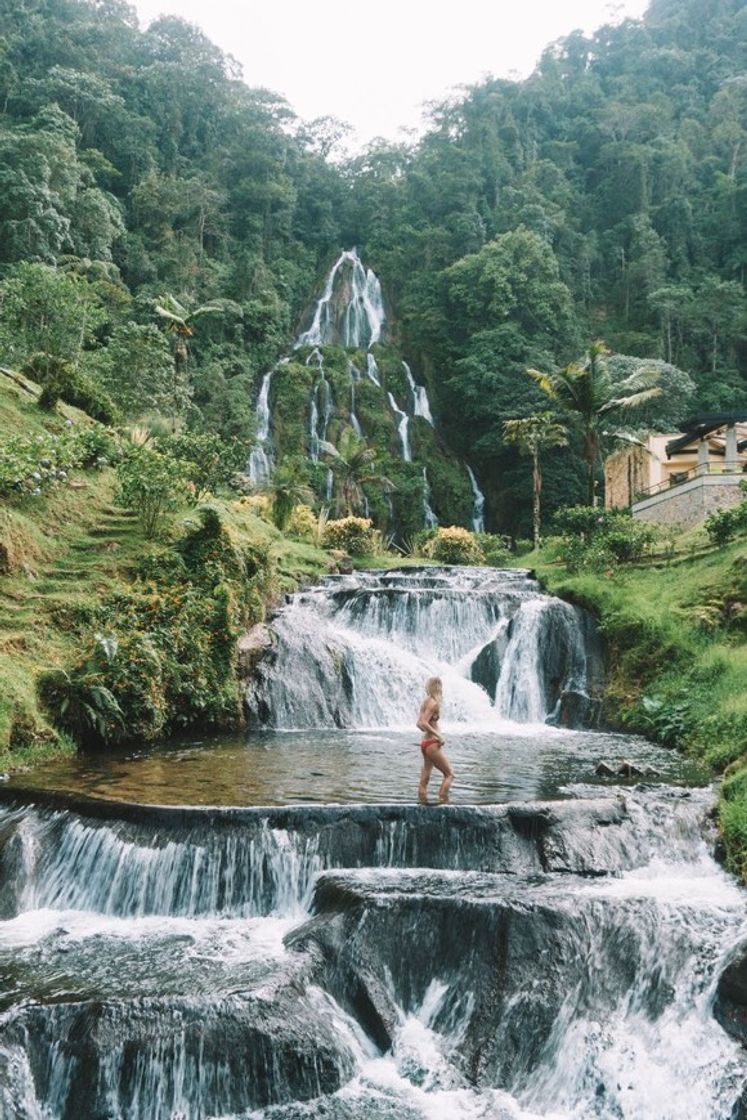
[374, 63]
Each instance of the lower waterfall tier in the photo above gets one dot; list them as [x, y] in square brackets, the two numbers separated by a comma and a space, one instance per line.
[551, 959]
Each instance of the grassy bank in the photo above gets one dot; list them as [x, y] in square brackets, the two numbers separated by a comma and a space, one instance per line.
[677, 661]
[74, 563]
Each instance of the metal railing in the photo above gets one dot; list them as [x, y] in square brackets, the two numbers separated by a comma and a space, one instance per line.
[679, 478]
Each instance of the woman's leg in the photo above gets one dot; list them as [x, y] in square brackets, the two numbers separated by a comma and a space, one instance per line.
[425, 775]
[438, 758]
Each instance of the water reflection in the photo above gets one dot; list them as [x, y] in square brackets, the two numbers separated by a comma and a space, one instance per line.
[339, 767]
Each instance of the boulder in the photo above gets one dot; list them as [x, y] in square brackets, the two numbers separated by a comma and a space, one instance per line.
[252, 647]
[730, 1004]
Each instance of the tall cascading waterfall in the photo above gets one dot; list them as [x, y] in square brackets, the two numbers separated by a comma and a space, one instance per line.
[403, 426]
[372, 370]
[350, 310]
[478, 509]
[260, 463]
[420, 403]
[429, 514]
[355, 423]
[355, 651]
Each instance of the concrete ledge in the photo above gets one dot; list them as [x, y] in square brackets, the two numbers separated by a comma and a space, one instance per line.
[691, 502]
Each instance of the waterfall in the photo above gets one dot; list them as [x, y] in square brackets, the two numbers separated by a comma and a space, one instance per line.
[515, 961]
[321, 390]
[430, 519]
[420, 404]
[372, 369]
[559, 952]
[402, 428]
[354, 375]
[478, 509]
[354, 651]
[350, 310]
[260, 462]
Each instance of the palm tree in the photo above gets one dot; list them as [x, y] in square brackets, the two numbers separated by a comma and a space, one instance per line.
[532, 435]
[181, 322]
[586, 389]
[287, 490]
[353, 465]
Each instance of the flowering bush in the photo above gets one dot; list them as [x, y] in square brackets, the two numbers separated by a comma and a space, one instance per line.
[33, 465]
[258, 504]
[353, 535]
[303, 523]
[454, 545]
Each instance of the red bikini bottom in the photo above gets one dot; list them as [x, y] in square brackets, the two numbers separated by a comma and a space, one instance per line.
[425, 743]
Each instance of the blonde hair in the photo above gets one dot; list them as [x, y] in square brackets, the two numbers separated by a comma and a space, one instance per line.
[433, 684]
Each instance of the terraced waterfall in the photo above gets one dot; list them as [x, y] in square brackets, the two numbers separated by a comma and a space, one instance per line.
[318, 946]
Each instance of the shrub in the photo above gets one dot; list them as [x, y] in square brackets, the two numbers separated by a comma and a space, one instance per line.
[726, 524]
[211, 461]
[303, 523]
[454, 545]
[80, 703]
[33, 465]
[580, 521]
[153, 485]
[98, 446]
[258, 504]
[62, 381]
[494, 549]
[353, 535]
[595, 539]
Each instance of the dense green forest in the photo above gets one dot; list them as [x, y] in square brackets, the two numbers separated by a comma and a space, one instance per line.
[603, 197]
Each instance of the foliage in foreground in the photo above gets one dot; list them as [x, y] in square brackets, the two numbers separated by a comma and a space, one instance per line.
[677, 661]
[164, 654]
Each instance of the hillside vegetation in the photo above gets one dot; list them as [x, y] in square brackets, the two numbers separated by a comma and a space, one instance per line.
[78, 571]
[674, 632]
[178, 222]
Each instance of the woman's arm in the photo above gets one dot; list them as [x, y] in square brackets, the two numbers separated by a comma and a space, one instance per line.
[426, 713]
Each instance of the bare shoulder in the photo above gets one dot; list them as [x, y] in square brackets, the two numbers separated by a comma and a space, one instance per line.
[428, 706]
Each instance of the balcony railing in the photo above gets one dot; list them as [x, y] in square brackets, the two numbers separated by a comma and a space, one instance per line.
[679, 478]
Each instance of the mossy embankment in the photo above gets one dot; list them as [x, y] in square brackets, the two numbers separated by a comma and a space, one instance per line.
[77, 568]
[677, 658]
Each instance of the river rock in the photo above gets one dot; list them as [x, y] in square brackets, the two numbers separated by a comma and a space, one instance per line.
[160, 1056]
[252, 647]
[577, 709]
[730, 1004]
[507, 952]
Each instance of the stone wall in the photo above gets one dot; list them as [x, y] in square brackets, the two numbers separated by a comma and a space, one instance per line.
[691, 502]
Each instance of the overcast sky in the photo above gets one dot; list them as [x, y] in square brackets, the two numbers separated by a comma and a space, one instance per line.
[373, 64]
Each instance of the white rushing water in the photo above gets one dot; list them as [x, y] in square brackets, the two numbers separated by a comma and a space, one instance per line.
[169, 980]
[372, 369]
[532, 960]
[429, 516]
[355, 423]
[478, 510]
[420, 403]
[403, 423]
[350, 310]
[355, 651]
[260, 463]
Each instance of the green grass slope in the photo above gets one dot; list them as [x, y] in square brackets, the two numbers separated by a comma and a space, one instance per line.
[675, 636]
[64, 555]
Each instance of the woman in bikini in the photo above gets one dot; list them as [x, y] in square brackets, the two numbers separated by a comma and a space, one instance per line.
[432, 743]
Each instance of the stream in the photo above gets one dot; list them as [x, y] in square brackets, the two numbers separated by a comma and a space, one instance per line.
[268, 927]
